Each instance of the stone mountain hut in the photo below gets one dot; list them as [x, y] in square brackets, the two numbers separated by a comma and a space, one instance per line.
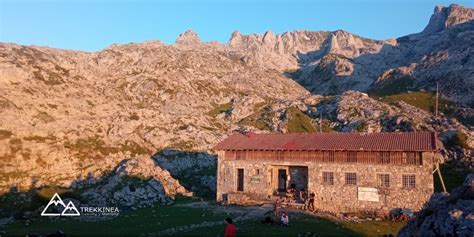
[348, 172]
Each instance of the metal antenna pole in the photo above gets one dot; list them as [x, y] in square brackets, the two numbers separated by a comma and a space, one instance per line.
[321, 122]
[437, 96]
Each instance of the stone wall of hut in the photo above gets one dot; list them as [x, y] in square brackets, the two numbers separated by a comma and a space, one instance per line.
[366, 194]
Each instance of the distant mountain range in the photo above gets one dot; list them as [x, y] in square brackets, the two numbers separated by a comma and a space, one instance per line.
[330, 63]
[68, 115]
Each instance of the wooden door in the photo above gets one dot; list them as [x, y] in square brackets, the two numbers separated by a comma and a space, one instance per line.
[282, 180]
[240, 180]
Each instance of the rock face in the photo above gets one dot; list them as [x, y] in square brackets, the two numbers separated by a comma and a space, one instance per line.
[330, 63]
[445, 17]
[277, 51]
[137, 182]
[188, 37]
[195, 170]
[78, 114]
[446, 214]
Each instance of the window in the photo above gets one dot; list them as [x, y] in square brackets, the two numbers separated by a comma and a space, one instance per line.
[383, 180]
[351, 156]
[328, 156]
[408, 181]
[385, 157]
[351, 179]
[328, 178]
[257, 171]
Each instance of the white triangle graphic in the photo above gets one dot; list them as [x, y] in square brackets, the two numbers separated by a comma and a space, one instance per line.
[56, 199]
[70, 207]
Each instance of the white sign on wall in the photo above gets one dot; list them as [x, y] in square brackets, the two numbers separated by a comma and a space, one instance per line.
[368, 194]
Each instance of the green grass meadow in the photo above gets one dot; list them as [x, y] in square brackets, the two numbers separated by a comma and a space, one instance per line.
[182, 220]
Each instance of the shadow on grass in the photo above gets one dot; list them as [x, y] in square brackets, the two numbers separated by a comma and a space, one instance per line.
[196, 171]
[25, 206]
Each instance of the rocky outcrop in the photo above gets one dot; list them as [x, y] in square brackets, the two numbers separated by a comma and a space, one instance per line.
[445, 17]
[279, 51]
[196, 170]
[446, 214]
[188, 37]
[137, 182]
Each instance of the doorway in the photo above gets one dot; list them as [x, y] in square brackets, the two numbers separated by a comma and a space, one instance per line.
[240, 180]
[282, 176]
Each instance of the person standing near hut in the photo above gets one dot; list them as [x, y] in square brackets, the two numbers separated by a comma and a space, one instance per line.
[303, 197]
[230, 228]
[311, 202]
[276, 208]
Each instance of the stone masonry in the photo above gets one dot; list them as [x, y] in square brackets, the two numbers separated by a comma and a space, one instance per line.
[261, 183]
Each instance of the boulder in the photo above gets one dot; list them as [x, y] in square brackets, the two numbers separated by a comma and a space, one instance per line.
[446, 214]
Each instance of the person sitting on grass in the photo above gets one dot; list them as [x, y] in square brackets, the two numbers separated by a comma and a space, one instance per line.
[285, 221]
[267, 221]
[230, 228]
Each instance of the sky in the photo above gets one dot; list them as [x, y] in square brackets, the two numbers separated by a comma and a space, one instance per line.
[91, 25]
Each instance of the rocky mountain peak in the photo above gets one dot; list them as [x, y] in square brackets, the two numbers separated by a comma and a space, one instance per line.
[445, 17]
[236, 38]
[188, 37]
[235, 34]
[269, 38]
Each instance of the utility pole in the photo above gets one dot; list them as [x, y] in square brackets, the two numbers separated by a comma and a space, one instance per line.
[437, 96]
[321, 122]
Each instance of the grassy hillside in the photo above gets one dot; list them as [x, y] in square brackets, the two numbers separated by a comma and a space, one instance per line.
[298, 121]
[426, 100]
[392, 88]
[421, 99]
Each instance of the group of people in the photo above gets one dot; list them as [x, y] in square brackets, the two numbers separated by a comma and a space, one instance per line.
[230, 230]
[284, 219]
[293, 195]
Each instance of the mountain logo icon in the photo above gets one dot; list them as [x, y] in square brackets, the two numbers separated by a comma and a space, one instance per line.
[70, 210]
[55, 206]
